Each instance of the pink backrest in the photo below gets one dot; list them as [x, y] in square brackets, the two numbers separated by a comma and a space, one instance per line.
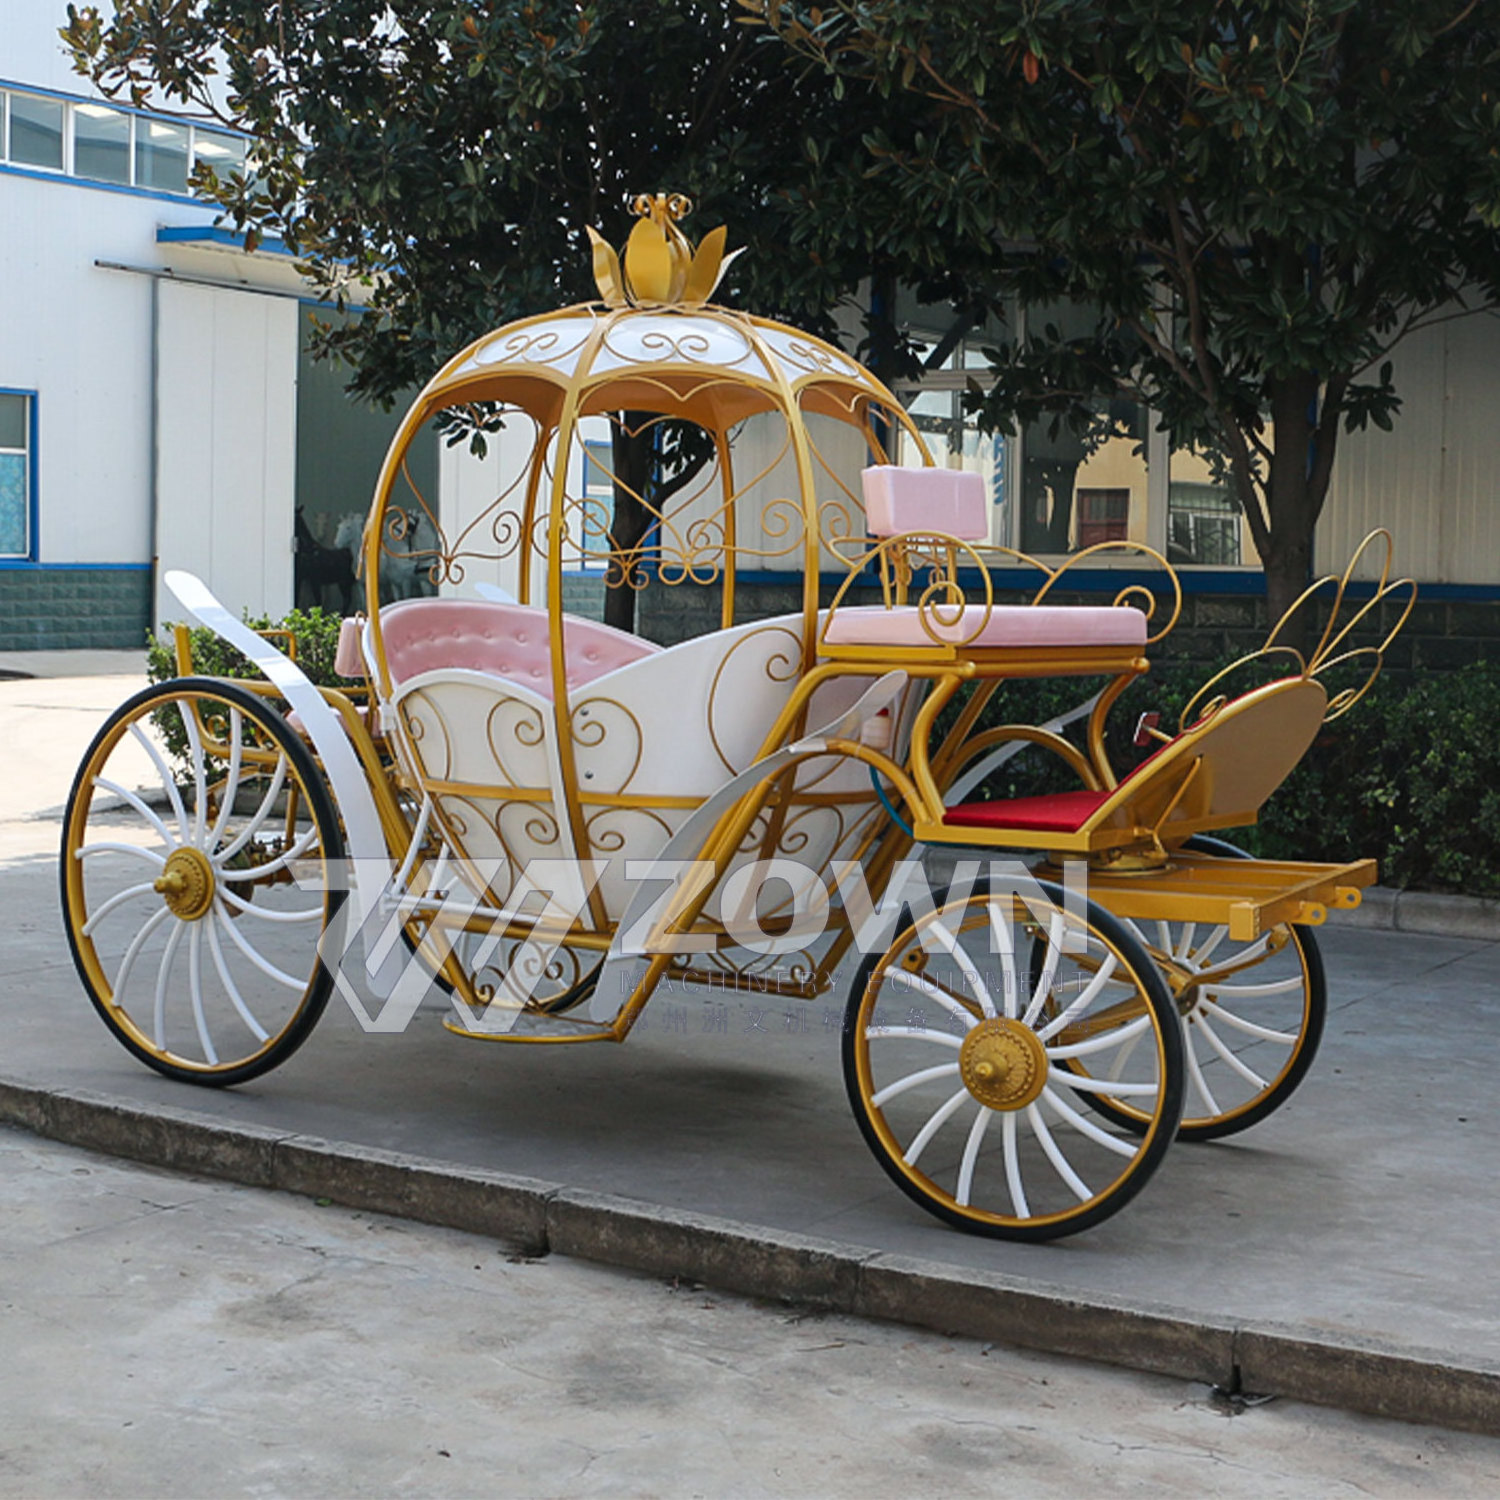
[950, 501]
[507, 640]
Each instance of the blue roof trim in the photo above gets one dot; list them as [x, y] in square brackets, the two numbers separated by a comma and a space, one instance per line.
[215, 234]
[65, 179]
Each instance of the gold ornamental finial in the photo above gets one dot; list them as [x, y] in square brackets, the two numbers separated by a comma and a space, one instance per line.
[661, 267]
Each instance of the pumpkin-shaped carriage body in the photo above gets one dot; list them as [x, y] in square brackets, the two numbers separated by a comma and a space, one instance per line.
[555, 814]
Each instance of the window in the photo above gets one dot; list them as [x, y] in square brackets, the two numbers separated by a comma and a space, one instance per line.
[598, 506]
[101, 143]
[161, 156]
[1204, 524]
[1083, 486]
[36, 131]
[1060, 487]
[214, 148]
[15, 473]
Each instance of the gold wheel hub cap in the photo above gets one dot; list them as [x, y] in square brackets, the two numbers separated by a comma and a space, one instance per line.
[1003, 1064]
[187, 884]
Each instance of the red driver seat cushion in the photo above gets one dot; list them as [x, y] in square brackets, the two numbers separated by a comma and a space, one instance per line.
[1060, 812]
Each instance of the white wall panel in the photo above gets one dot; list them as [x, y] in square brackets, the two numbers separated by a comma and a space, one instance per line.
[1434, 481]
[226, 443]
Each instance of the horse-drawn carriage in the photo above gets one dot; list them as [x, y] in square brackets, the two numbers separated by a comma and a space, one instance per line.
[554, 816]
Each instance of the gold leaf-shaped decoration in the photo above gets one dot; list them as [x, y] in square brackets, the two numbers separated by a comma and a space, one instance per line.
[649, 262]
[607, 275]
[703, 275]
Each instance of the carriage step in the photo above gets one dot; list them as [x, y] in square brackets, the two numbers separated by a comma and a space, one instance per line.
[509, 1024]
[1248, 896]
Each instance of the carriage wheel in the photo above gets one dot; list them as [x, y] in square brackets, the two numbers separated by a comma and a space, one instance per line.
[957, 1061]
[196, 880]
[1250, 1038]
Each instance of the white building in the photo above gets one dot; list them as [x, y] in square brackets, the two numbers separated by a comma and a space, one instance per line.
[157, 410]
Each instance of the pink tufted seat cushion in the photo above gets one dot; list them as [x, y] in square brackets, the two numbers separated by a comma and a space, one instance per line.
[506, 640]
[1008, 625]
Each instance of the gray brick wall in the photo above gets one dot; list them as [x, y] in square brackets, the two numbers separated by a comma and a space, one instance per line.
[65, 609]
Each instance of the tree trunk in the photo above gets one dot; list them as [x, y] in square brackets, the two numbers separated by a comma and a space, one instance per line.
[632, 447]
[1292, 506]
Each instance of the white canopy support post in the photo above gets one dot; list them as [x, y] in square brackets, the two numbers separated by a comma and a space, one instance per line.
[368, 860]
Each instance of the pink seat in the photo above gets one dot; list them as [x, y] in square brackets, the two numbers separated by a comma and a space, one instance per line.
[1007, 625]
[512, 641]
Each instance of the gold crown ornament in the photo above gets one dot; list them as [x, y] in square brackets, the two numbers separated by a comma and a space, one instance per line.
[661, 268]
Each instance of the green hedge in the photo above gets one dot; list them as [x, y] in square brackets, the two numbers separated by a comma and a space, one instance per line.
[1410, 776]
[317, 632]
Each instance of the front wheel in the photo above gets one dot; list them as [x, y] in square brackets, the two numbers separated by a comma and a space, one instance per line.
[978, 1083]
[199, 871]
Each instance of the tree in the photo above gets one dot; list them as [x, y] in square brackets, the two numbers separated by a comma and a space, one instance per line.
[1260, 199]
[437, 162]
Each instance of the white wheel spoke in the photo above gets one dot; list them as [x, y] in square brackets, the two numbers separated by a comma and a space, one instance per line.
[1210, 945]
[1083, 1084]
[972, 977]
[136, 944]
[250, 909]
[1127, 1033]
[1251, 991]
[232, 989]
[159, 1014]
[1005, 947]
[264, 965]
[1084, 997]
[114, 846]
[167, 780]
[1013, 1166]
[195, 985]
[143, 889]
[1164, 937]
[200, 775]
[1054, 1155]
[248, 832]
[1199, 1082]
[933, 992]
[1049, 969]
[942, 1038]
[901, 1085]
[940, 1117]
[971, 1155]
[1230, 1060]
[1185, 940]
[1228, 1017]
[148, 813]
[232, 780]
[1087, 1127]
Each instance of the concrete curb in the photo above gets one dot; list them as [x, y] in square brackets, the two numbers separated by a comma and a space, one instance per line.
[1427, 912]
[538, 1217]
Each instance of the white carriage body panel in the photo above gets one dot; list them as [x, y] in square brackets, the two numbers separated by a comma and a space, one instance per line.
[673, 726]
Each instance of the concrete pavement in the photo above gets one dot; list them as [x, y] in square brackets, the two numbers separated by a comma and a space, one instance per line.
[173, 1336]
[1341, 1251]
